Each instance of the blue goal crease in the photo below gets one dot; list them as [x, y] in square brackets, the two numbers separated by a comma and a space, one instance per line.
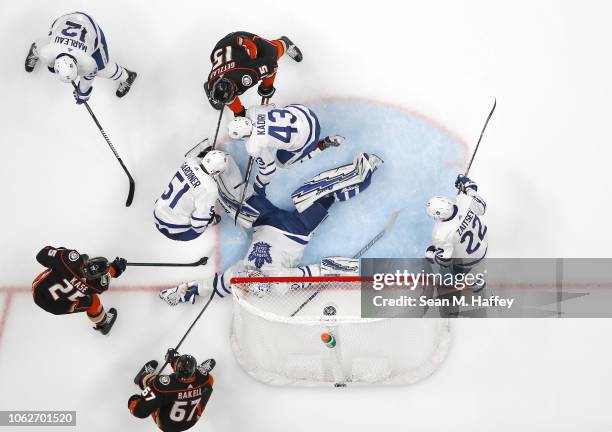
[418, 159]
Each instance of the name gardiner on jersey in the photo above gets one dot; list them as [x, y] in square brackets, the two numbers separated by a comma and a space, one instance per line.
[191, 176]
[72, 42]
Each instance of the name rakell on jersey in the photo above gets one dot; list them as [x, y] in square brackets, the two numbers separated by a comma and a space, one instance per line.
[475, 301]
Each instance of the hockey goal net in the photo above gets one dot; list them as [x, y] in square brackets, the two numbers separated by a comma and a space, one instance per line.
[327, 342]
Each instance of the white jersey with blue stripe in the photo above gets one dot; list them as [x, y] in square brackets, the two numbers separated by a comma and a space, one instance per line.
[464, 234]
[188, 202]
[291, 128]
[78, 35]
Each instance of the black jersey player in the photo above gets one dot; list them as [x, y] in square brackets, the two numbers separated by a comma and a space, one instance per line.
[176, 401]
[72, 283]
[239, 61]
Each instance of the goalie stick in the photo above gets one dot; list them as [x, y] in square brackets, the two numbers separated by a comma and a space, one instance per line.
[201, 261]
[132, 184]
[359, 254]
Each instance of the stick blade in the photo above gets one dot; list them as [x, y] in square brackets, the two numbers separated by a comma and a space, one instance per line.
[132, 189]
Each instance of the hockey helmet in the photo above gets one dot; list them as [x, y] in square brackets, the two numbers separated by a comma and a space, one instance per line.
[214, 162]
[223, 90]
[185, 366]
[95, 268]
[66, 68]
[240, 128]
[440, 208]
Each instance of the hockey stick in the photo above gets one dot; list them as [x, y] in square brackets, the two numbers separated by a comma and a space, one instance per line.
[212, 294]
[201, 261]
[132, 186]
[246, 185]
[217, 131]
[358, 255]
[194, 147]
[480, 138]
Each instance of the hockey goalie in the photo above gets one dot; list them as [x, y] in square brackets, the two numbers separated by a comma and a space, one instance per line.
[280, 236]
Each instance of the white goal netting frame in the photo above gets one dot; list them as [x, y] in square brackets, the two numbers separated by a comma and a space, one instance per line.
[279, 349]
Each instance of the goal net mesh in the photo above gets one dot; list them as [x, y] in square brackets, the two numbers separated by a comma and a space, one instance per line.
[276, 345]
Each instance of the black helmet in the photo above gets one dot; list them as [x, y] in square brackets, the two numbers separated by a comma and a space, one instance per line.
[185, 366]
[95, 268]
[223, 90]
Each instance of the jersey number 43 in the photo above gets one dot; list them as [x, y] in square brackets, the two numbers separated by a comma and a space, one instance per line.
[281, 133]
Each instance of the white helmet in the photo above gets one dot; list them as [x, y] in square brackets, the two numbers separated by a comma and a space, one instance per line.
[214, 162]
[240, 128]
[440, 208]
[66, 68]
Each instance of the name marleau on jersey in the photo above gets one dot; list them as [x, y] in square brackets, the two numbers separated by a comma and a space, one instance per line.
[476, 301]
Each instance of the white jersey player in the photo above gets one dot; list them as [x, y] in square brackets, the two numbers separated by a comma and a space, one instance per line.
[459, 233]
[76, 47]
[187, 207]
[279, 137]
[280, 236]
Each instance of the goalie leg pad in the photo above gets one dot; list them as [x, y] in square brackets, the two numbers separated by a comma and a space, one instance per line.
[339, 266]
[343, 182]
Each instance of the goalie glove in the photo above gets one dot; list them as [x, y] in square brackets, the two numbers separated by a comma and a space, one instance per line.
[183, 293]
[465, 185]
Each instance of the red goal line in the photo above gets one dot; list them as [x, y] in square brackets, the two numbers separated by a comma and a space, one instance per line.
[303, 279]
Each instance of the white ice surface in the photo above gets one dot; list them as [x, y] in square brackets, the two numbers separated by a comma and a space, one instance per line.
[543, 169]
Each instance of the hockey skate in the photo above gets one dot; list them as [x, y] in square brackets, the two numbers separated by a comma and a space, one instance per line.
[32, 58]
[109, 321]
[126, 85]
[330, 141]
[292, 49]
[343, 183]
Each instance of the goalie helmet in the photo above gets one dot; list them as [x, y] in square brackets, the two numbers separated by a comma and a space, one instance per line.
[240, 128]
[214, 162]
[185, 366]
[65, 68]
[223, 90]
[440, 208]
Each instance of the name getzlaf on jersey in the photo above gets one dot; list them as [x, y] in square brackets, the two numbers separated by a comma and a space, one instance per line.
[464, 235]
[185, 209]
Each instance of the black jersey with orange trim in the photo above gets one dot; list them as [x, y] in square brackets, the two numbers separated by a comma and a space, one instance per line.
[61, 289]
[244, 58]
[174, 404]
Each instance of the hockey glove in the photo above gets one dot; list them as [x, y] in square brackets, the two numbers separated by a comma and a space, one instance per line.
[118, 266]
[430, 254]
[213, 102]
[80, 96]
[184, 292]
[266, 92]
[171, 356]
[241, 113]
[464, 184]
